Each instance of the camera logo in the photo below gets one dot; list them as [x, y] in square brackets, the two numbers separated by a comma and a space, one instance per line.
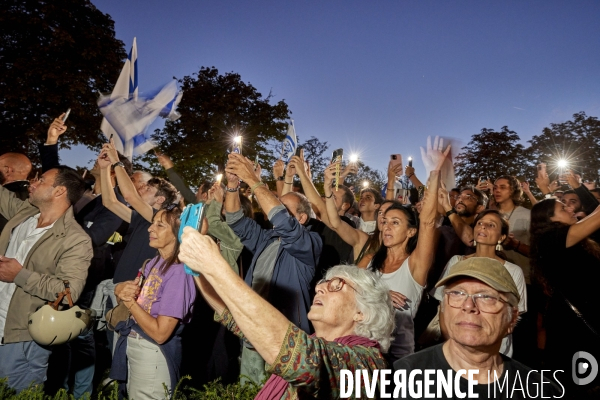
[582, 364]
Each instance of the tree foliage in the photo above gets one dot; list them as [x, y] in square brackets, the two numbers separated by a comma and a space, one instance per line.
[577, 141]
[491, 154]
[314, 153]
[375, 178]
[54, 55]
[215, 108]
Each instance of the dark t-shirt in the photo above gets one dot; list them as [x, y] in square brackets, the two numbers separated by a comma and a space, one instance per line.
[571, 273]
[335, 250]
[137, 250]
[516, 382]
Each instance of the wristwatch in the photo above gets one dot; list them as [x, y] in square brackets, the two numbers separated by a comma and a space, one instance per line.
[281, 178]
[450, 212]
[117, 164]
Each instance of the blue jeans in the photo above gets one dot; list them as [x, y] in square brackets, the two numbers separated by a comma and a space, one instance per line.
[24, 363]
[82, 365]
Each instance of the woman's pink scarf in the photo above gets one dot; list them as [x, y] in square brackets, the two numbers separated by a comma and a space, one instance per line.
[276, 386]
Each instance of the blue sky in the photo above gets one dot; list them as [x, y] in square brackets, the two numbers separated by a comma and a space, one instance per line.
[377, 77]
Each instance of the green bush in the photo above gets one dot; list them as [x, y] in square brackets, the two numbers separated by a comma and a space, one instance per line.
[212, 391]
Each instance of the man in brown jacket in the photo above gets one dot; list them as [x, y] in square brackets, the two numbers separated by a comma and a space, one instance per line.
[41, 246]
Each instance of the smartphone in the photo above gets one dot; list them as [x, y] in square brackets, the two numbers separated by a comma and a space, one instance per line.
[410, 161]
[338, 155]
[299, 150]
[193, 216]
[237, 145]
[66, 115]
[396, 160]
[255, 162]
[483, 179]
[562, 179]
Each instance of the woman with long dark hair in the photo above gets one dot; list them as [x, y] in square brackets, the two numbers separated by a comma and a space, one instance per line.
[404, 259]
[565, 260]
[150, 343]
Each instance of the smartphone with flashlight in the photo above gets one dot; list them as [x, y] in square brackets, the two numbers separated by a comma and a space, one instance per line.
[410, 161]
[237, 145]
[64, 119]
[192, 216]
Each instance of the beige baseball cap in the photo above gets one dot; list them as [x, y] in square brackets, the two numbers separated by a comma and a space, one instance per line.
[487, 270]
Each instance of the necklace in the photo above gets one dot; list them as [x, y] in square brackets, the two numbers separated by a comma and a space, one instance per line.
[511, 213]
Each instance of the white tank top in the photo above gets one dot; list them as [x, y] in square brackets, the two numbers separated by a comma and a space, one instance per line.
[402, 281]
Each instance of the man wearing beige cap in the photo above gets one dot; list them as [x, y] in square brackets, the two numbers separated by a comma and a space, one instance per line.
[480, 307]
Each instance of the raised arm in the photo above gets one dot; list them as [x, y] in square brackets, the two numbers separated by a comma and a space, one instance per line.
[244, 170]
[49, 149]
[527, 191]
[423, 256]
[175, 179]
[392, 172]
[288, 179]
[584, 228]
[261, 323]
[310, 191]
[278, 169]
[462, 229]
[130, 194]
[109, 198]
[410, 173]
[354, 237]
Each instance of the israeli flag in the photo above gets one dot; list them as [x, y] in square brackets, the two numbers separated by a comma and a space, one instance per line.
[127, 115]
[290, 143]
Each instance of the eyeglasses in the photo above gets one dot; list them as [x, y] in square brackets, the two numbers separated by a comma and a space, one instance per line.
[335, 284]
[468, 197]
[484, 302]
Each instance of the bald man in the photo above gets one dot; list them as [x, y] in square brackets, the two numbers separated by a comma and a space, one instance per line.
[14, 170]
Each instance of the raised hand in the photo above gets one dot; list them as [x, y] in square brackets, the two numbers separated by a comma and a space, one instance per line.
[434, 156]
[57, 128]
[163, 160]
[198, 251]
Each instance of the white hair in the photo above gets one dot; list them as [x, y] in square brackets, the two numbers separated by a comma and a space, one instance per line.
[373, 300]
[146, 176]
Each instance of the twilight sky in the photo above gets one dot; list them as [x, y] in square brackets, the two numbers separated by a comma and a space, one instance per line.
[377, 77]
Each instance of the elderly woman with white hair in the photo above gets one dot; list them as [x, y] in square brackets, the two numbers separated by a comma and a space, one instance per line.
[352, 315]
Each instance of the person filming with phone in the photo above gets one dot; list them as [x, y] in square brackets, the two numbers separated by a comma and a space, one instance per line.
[284, 258]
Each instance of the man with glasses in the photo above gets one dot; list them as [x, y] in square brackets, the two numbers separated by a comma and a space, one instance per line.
[478, 310]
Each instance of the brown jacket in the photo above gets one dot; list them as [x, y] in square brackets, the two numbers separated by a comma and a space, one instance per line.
[62, 253]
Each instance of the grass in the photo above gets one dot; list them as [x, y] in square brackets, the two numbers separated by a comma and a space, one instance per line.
[212, 391]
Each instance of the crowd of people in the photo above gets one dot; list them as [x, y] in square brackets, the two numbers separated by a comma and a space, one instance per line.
[299, 285]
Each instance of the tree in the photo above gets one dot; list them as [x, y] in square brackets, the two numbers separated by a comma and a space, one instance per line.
[491, 154]
[214, 109]
[375, 178]
[314, 151]
[54, 56]
[577, 141]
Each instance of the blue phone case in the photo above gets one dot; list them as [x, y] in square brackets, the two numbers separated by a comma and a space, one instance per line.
[191, 216]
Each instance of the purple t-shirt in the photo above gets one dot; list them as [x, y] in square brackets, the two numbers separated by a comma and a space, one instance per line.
[171, 294]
